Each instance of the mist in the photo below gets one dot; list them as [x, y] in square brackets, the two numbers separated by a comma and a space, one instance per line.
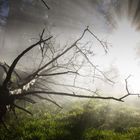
[24, 21]
[73, 65]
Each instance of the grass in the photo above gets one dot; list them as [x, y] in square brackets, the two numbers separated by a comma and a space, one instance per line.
[97, 121]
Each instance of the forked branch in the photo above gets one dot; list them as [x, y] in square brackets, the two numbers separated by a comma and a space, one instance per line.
[128, 91]
[13, 65]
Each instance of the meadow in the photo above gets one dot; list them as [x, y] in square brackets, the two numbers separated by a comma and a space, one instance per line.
[95, 120]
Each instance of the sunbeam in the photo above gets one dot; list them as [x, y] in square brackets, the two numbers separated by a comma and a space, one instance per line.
[125, 39]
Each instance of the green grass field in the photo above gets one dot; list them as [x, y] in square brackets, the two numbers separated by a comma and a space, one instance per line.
[94, 121]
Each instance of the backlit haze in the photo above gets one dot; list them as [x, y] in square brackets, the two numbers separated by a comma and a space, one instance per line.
[115, 21]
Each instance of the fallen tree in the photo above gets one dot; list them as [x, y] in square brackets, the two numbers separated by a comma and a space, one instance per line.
[53, 63]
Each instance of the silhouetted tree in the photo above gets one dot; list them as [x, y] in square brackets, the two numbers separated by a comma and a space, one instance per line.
[54, 64]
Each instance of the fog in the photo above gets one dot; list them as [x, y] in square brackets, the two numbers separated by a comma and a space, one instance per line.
[114, 21]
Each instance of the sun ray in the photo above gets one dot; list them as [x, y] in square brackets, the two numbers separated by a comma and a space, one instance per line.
[125, 40]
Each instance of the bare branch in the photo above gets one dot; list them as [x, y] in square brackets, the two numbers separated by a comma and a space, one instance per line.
[14, 71]
[13, 65]
[75, 87]
[27, 99]
[67, 94]
[128, 92]
[95, 67]
[44, 98]
[59, 73]
[65, 51]
[104, 44]
[46, 4]
[23, 109]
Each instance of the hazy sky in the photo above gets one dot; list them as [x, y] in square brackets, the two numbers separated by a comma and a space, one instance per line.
[116, 21]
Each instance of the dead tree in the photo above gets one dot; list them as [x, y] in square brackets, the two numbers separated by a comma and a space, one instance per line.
[46, 78]
[51, 66]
